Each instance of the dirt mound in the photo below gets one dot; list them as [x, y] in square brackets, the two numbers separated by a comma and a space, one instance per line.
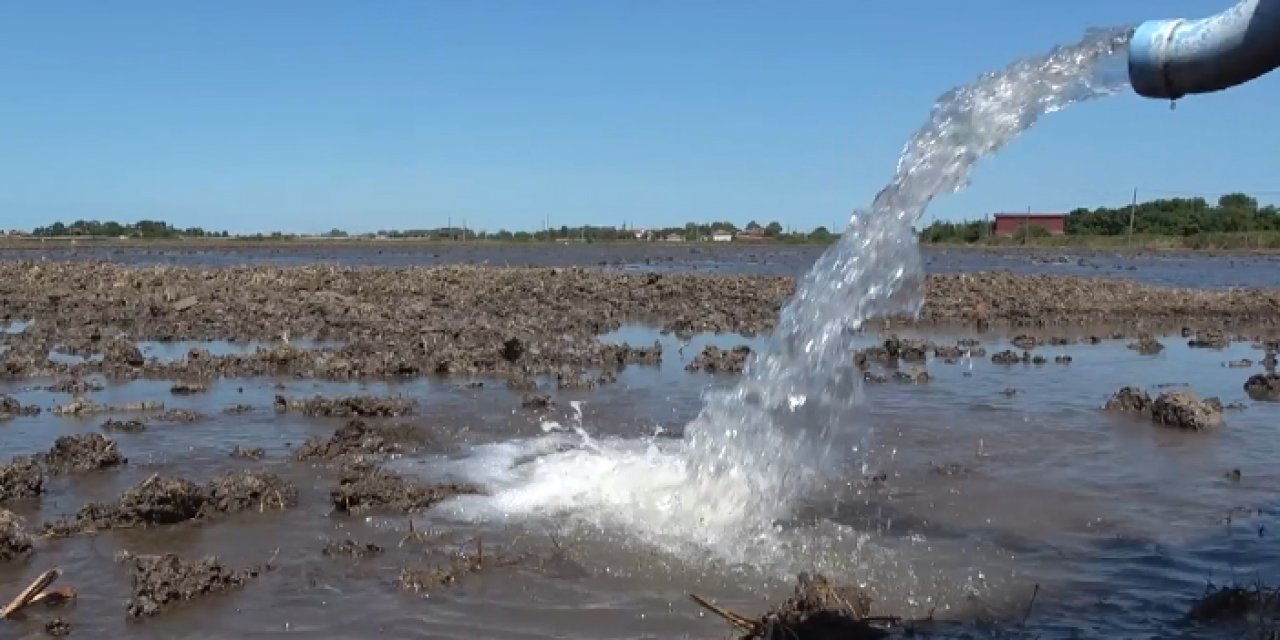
[536, 402]
[255, 453]
[1146, 345]
[367, 486]
[818, 610]
[122, 352]
[179, 415]
[21, 479]
[1129, 399]
[84, 452]
[14, 540]
[713, 359]
[1264, 386]
[10, 408]
[1209, 339]
[187, 388]
[1026, 342]
[247, 490]
[351, 549]
[1010, 357]
[237, 409]
[160, 582]
[158, 500]
[74, 386]
[357, 438]
[1185, 410]
[124, 426]
[361, 406]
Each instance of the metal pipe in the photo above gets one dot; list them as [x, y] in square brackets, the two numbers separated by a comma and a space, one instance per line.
[1172, 58]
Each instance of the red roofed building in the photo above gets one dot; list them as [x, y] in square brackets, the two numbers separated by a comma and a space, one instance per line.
[1007, 224]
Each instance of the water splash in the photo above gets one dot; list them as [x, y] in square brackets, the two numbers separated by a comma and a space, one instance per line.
[755, 449]
[772, 434]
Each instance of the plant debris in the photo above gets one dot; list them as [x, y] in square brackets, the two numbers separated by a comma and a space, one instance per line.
[10, 408]
[357, 437]
[713, 359]
[21, 479]
[363, 406]
[83, 452]
[352, 549]
[255, 453]
[366, 486]
[15, 542]
[818, 610]
[124, 426]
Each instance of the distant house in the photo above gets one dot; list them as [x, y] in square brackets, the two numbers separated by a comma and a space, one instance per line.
[721, 236]
[751, 234]
[1007, 224]
[674, 237]
[640, 234]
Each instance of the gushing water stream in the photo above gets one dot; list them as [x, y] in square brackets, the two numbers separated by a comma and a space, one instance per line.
[755, 449]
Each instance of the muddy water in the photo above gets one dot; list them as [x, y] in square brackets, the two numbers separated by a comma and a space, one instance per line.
[1170, 268]
[961, 500]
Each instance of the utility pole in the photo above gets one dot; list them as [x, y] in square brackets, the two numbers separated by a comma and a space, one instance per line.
[1133, 211]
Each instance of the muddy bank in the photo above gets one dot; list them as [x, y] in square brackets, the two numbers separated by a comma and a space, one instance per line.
[165, 581]
[513, 323]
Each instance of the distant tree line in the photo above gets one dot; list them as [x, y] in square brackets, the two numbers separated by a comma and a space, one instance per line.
[139, 229]
[1233, 213]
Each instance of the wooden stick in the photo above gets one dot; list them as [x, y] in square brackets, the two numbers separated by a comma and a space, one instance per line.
[43, 581]
[738, 620]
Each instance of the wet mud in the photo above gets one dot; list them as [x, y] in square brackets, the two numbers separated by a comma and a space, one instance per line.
[818, 610]
[364, 486]
[163, 582]
[84, 452]
[1178, 409]
[15, 542]
[21, 479]
[357, 438]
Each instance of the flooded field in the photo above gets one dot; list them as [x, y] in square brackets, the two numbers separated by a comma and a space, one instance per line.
[1171, 268]
[470, 453]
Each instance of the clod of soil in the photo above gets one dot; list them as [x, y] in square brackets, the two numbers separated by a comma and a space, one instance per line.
[21, 479]
[122, 352]
[235, 492]
[187, 388]
[10, 408]
[363, 406]
[1062, 359]
[914, 376]
[1130, 399]
[160, 582]
[124, 426]
[536, 402]
[1010, 357]
[158, 500]
[1210, 339]
[366, 486]
[1235, 603]
[58, 627]
[82, 407]
[357, 438]
[713, 359]
[1185, 410]
[351, 549]
[1264, 386]
[1025, 342]
[179, 415]
[74, 386]
[14, 540]
[1147, 345]
[467, 562]
[1243, 363]
[256, 453]
[83, 452]
[819, 610]
[237, 409]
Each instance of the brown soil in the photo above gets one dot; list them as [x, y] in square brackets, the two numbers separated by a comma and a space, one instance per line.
[124, 426]
[1264, 386]
[1185, 410]
[74, 386]
[365, 486]
[160, 500]
[351, 549]
[21, 479]
[359, 438]
[818, 610]
[1130, 399]
[10, 408]
[57, 627]
[364, 406]
[84, 452]
[247, 453]
[536, 402]
[161, 582]
[15, 542]
[187, 388]
[513, 323]
[1147, 345]
[713, 359]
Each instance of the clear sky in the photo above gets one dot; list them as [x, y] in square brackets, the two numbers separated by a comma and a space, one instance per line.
[302, 115]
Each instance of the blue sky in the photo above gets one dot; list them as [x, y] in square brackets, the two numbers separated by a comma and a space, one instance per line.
[302, 115]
